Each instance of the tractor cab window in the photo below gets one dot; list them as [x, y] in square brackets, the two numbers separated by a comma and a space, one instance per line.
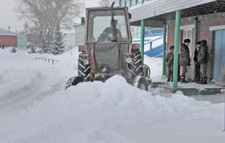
[100, 26]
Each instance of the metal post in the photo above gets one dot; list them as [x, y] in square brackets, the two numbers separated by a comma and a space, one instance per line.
[164, 50]
[195, 42]
[176, 49]
[142, 39]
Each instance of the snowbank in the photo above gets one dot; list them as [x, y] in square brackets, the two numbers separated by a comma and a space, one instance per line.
[34, 108]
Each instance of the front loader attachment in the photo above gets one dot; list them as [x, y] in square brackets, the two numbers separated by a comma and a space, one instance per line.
[74, 81]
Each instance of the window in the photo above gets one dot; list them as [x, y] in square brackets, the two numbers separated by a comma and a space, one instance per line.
[100, 21]
[128, 3]
[187, 31]
[122, 3]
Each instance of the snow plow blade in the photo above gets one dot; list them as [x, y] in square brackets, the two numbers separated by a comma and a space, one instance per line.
[73, 81]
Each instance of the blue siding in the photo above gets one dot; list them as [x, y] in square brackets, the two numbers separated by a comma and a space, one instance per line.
[219, 58]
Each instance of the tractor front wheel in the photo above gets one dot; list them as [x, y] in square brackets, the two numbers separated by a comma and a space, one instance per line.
[141, 83]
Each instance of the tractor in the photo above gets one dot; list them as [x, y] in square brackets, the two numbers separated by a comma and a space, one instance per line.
[108, 49]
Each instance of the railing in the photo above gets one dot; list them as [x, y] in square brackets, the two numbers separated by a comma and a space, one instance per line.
[47, 60]
[153, 52]
[151, 32]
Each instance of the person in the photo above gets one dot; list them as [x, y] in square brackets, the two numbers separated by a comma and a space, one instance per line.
[203, 60]
[3, 46]
[107, 34]
[184, 59]
[197, 65]
[169, 64]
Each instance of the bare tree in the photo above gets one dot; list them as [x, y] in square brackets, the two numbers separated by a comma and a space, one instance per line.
[105, 3]
[46, 14]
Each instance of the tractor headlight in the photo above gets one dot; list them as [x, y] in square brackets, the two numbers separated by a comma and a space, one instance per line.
[85, 62]
[129, 60]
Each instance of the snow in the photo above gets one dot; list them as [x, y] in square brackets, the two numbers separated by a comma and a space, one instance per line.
[35, 108]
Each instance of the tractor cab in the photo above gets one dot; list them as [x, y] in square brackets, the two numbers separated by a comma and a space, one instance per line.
[107, 25]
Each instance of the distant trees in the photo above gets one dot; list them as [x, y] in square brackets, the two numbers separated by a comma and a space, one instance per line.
[105, 3]
[47, 14]
[58, 41]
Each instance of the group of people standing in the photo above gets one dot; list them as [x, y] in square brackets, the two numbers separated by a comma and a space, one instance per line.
[200, 59]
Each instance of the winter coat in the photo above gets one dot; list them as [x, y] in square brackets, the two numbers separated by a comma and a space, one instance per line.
[184, 59]
[203, 53]
[196, 55]
[169, 61]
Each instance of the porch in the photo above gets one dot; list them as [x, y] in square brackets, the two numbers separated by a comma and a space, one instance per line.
[181, 14]
[189, 89]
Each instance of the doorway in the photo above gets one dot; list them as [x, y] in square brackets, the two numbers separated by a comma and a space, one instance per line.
[219, 54]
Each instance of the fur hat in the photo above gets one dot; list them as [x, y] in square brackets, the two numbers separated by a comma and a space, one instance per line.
[171, 47]
[187, 40]
[204, 42]
[198, 43]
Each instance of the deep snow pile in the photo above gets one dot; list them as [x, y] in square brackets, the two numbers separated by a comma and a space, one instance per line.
[34, 107]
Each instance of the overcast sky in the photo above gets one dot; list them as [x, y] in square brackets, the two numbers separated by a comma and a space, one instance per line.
[8, 16]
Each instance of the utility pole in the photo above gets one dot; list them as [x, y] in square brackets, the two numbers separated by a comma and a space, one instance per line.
[25, 29]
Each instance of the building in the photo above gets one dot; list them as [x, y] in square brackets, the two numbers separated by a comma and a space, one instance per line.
[69, 40]
[79, 34]
[10, 39]
[193, 19]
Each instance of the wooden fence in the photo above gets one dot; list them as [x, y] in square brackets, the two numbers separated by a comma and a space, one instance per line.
[47, 60]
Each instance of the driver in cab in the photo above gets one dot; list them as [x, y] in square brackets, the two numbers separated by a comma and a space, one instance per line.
[107, 34]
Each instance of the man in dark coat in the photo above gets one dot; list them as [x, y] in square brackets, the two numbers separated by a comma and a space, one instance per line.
[197, 65]
[184, 59]
[203, 60]
[169, 64]
[107, 34]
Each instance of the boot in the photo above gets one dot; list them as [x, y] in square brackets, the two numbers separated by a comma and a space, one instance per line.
[200, 81]
[204, 81]
[182, 79]
[168, 79]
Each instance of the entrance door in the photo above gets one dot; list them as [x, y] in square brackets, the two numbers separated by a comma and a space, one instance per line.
[219, 55]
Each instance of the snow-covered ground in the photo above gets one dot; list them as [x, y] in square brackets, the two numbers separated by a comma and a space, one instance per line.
[35, 108]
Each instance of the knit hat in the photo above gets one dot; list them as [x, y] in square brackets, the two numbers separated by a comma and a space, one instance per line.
[187, 40]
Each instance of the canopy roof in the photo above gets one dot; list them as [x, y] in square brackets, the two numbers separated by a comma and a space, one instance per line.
[156, 14]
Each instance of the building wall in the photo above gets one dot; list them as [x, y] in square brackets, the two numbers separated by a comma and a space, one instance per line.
[21, 41]
[79, 35]
[69, 40]
[8, 41]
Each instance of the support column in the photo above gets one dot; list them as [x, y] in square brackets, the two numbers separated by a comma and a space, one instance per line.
[164, 50]
[176, 50]
[142, 39]
[195, 42]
